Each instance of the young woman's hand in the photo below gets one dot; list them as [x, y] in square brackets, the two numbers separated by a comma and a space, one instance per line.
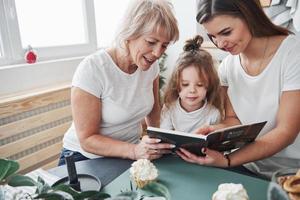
[212, 158]
[151, 148]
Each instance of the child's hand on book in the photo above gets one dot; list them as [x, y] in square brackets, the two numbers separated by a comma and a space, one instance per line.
[205, 130]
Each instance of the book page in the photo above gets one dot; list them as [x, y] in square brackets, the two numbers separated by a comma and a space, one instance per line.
[234, 137]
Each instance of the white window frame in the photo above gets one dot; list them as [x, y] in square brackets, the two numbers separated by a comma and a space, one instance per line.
[13, 52]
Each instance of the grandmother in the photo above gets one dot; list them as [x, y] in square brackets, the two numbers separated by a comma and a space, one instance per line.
[116, 88]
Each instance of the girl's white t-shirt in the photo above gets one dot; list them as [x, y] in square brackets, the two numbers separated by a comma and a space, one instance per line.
[257, 98]
[126, 98]
[176, 118]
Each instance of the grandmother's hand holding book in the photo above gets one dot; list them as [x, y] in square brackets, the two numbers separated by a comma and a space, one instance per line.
[151, 148]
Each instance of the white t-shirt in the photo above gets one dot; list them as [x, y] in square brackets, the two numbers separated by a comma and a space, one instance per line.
[126, 98]
[176, 118]
[257, 98]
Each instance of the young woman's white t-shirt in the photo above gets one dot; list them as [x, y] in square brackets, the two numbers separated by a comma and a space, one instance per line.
[176, 118]
[126, 98]
[257, 98]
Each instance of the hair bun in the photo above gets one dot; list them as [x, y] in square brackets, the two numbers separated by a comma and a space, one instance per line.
[193, 44]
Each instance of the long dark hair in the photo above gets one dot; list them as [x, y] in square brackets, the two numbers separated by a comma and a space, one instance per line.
[248, 10]
[194, 55]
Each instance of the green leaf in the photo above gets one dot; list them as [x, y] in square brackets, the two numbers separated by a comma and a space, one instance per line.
[14, 167]
[7, 168]
[50, 196]
[4, 167]
[41, 180]
[93, 195]
[127, 195]
[157, 189]
[162, 82]
[20, 180]
[68, 189]
[162, 68]
[42, 186]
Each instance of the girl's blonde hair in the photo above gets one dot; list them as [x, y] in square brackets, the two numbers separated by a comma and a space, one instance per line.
[193, 55]
[147, 16]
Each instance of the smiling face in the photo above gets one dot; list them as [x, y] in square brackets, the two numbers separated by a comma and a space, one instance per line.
[192, 89]
[146, 49]
[228, 33]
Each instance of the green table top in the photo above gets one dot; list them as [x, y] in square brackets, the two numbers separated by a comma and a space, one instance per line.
[187, 181]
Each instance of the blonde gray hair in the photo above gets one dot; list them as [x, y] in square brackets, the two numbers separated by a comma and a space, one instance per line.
[147, 16]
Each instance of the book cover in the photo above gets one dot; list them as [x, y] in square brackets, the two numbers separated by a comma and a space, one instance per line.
[220, 140]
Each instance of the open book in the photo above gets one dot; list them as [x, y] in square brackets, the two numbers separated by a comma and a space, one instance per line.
[221, 140]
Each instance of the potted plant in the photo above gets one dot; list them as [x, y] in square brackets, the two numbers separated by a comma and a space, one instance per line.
[162, 69]
[8, 176]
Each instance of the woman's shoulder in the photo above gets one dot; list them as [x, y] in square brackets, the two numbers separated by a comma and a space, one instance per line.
[229, 63]
[99, 56]
[289, 42]
[288, 47]
[229, 59]
[97, 61]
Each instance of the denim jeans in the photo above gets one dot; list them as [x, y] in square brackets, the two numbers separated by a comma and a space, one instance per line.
[76, 156]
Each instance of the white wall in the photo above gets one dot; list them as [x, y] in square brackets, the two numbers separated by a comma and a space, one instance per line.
[21, 78]
[185, 12]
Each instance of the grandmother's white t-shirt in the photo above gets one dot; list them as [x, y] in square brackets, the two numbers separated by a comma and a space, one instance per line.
[257, 98]
[126, 98]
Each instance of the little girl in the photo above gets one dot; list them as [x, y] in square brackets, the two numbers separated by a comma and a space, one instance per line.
[193, 95]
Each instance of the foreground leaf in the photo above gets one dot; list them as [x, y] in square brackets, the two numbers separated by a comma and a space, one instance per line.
[42, 186]
[7, 168]
[4, 167]
[157, 189]
[67, 189]
[50, 196]
[20, 180]
[128, 195]
[93, 195]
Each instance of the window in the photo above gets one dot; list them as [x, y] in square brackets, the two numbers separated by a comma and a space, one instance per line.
[57, 28]
[36, 22]
[1, 51]
[54, 28]
[107, 26]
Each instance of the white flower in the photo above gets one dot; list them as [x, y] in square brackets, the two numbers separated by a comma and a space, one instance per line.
[230, 191]
[143, 169]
